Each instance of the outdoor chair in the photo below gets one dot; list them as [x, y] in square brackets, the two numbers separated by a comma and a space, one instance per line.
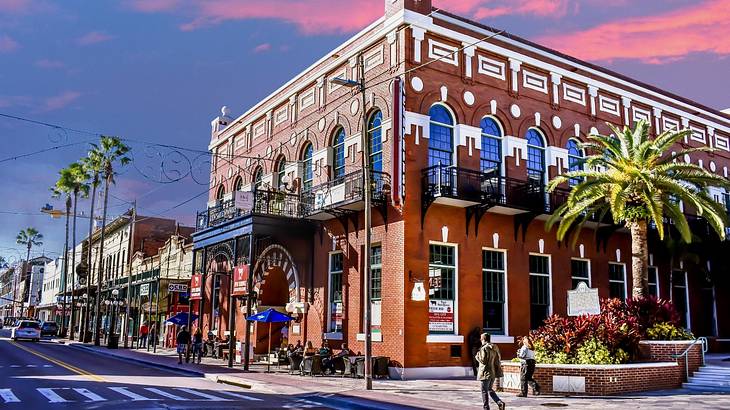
[380, 366]
[338, 364]
[360, 367]
[312, 365]
[348, 369]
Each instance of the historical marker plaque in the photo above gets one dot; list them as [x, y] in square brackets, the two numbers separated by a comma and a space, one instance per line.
[583, 301]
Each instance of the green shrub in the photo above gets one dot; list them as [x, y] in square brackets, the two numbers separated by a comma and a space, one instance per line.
[668, 331]
[595, 352]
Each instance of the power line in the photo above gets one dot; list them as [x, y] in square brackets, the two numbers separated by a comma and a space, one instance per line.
[19, 156]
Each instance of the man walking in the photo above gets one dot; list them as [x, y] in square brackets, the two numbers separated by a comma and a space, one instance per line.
[183, 338]
[143, 331]
[490, 368]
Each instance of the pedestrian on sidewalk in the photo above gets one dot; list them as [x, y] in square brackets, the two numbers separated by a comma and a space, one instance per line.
[183, 338]
[198, 345]
[143, 332]
[490, 369]
[527, 369]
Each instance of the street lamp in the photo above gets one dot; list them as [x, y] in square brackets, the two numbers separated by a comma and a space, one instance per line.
[360, 85]
[114, 302]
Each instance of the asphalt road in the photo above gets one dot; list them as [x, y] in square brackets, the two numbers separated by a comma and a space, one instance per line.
[48, 375]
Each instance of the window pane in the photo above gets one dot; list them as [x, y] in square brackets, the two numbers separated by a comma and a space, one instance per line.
[376, 282]
[539, 264]
[539, 289]
[616, 281]
[493, 291]
[653, 282]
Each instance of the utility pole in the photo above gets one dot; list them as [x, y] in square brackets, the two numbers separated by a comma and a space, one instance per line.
[65, 270]
[130, 251]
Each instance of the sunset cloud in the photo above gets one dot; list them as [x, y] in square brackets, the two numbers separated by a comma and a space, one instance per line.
[60, 101]
[262, 48]
[15, 6]
[49, 64]
[662, 38]
[150, 6]
[7, 44]
[93, 37]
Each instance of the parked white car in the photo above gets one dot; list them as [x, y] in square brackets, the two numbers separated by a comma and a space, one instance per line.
[26, 329]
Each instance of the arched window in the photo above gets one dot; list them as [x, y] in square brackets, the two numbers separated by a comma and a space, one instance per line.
[535, 156]
[575, 158]
[280, 173]
[238, 184]
[307, 162]
[441, 140]
[490, 157]
[220, 193]
[258, 176]
[338, 146]
[375, 134]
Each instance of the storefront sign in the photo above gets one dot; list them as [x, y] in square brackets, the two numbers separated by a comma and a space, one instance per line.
[144, 289]
[240, 280]
[196, 285]
[177, 287]
[244, 201]
[441, 316]
[583, 301]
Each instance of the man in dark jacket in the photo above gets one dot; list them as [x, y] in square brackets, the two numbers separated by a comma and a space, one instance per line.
[183, 339]
[490, 369]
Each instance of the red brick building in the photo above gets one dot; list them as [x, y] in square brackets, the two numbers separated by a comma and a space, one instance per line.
[465, 125]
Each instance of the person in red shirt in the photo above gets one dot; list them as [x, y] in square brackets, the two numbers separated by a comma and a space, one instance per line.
[143, 332]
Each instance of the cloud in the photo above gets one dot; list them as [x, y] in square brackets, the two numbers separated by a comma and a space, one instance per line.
[262, 48]
[15, 6]
[657, 39]
[541, 8]
[60, 101]
[93, 37]
[8, 101]
[49, 64]
[7, 44]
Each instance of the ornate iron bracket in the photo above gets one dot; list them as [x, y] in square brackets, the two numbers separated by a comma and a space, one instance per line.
[522, 222]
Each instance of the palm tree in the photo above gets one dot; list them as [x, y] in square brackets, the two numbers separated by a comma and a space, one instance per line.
[111, 150]
[29, 237]
[91, 169]
[632, 176]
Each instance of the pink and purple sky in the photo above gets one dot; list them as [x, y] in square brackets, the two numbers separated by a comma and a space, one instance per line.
[159, 70]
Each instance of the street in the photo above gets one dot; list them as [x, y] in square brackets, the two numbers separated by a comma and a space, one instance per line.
[51, 375]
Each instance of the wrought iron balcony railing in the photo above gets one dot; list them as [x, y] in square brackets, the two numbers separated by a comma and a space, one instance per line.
[265, 202]
[345, 191]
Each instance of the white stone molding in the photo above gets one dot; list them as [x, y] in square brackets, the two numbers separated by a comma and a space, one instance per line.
[556, 80]
[443, 52]
[514, 66]
[417, 84]
[353, 141]
[609, 105]
[534, 81]
[468, 55]
[420, 121]
[418, 35]
[444, 93]
[657, 119]
[593, 92]
[493, 107]
[463, 133]
[491, 67]
[557, 157]
[575, 94]
[626, 103]
[514, 145]
[469, 98]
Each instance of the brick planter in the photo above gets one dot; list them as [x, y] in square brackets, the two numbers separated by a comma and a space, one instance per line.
[659, 370]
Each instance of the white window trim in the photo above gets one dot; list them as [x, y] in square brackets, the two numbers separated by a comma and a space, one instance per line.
[454, 141]
[501, 140]
[590, 273]
[626, 290]
[658, 288]
[686, 296]
[549, 275]
[329, 289]
[506, 291]
[431, 338]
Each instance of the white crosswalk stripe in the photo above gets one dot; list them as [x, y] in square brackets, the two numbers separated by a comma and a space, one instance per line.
[240, 396]
[51, 395]
[88, 394]
[131, 395]
[164, 393]
[201, 394]
[8, 396]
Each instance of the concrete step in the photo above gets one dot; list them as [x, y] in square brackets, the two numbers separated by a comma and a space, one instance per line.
[719, 383]
[703, 388]
[703, 376]
[715, 370]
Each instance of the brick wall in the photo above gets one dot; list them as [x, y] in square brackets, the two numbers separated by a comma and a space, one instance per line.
[663, 351]
[598, 380]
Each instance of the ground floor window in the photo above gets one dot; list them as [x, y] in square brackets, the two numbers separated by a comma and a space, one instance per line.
[335, 287]
[493, 291]
[376, 272]
[707, 325]
[653, 281]
[680, 296]
[441, 289]
[540, 295]
[580, 272]
[617, 280]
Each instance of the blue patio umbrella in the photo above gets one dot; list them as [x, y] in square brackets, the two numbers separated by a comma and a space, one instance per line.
[270, 316]
[181, 319]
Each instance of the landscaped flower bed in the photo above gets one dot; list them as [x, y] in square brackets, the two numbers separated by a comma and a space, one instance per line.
[608, 353]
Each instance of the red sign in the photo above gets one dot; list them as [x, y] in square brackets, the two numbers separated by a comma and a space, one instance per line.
[196, 286]
[240, 280]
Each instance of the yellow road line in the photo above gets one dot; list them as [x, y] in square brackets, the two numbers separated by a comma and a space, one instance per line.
[60, 363]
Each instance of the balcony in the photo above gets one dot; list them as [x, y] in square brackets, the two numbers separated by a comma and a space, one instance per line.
[260, 202]
[344, 195]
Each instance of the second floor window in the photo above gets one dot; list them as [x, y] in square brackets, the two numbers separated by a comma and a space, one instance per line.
[280, 172]
[307, 162]
[535, 156]
[238, 185]
[338, 147]
[441, 137]
[490, 156]
[258, 176]
[221, 192]
[575, 158]
[375, 139]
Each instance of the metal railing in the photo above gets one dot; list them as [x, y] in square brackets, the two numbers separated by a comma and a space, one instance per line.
[685, 353]
[345, 189]
[265, 202]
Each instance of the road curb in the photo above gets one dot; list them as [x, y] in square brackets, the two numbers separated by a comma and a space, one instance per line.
[140, 361]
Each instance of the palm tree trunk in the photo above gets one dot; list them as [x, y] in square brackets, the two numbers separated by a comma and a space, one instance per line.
[85, 323]
[26, 275]
[639, 258]
[97, 308]
[72, 320]
[65, 267]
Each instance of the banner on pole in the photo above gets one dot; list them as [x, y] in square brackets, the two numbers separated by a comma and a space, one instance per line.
[240, 280]
[196, 286]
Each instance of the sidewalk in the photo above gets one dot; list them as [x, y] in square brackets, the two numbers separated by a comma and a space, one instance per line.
[430, 394]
